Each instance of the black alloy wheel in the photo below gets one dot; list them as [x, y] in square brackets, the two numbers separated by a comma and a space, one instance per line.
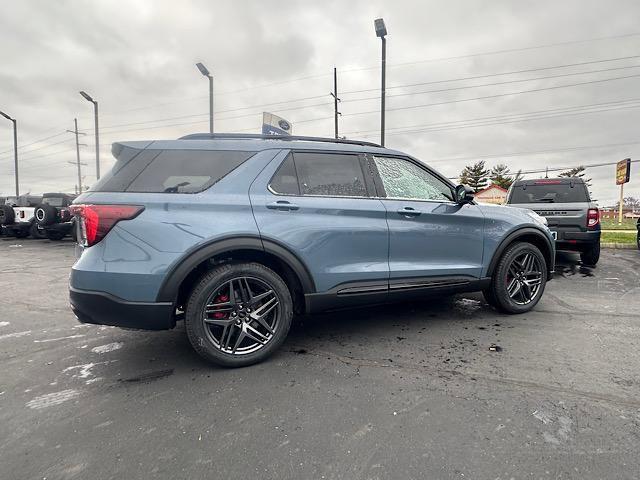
[238, 314]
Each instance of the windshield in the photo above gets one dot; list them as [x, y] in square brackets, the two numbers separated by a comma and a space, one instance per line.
[560, 193]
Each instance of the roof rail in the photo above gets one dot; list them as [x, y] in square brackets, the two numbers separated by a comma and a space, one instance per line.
[251, 136]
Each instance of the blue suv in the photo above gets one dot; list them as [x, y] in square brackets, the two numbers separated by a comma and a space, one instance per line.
[236, 233]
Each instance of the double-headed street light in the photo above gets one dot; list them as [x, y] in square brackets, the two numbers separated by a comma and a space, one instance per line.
[381, 32]
[86, 96]
[204, 71]
[15, 148]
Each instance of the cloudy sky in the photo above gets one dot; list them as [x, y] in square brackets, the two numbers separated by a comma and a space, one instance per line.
[530, 84]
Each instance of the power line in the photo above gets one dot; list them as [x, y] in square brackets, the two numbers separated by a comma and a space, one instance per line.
[41, 147]
[557, 169]
[533, 152]
[295, 122]
[508, 121]
[496, 52]
[495, 83]
[494, 96]
[33, 142]
[219, 118]
[374, 111]
[514, 72]
[501, 117]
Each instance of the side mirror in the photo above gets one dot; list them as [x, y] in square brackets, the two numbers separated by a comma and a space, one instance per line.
[464, 194]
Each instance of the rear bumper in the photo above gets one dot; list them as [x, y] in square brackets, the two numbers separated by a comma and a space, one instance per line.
[575, 240]
[104, 309]
[17, 227]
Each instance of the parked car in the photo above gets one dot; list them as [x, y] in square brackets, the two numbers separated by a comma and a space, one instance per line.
[573, 218]
[638, 234]
[53, 216]
[16, 217]
[235, 233]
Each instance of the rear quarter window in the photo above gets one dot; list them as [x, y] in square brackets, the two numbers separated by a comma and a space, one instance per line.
[172, 171]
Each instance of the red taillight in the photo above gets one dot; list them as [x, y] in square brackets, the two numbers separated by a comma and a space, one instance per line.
[593, 217]
[97, 220]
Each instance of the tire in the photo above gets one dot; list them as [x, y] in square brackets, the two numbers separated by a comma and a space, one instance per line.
[590, 257]
[55, 235]
[36, 233]
[217, 339]
[638, 239]
[519, 258]
[45, 214]
[7, 215]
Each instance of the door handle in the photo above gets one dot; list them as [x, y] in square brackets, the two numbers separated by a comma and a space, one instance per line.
[283, 206]
[409, 212]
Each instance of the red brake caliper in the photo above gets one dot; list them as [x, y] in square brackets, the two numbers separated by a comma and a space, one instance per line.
[220, 299]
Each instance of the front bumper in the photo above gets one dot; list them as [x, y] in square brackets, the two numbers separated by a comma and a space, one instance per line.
[104, 309]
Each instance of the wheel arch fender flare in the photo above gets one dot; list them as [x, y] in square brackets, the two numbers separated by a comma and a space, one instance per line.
[524, 234]
[191, 259]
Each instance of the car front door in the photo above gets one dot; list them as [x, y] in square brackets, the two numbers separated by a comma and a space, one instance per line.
[321, 206]
[432, 238]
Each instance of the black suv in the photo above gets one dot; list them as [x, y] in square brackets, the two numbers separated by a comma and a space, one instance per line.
[574, 220]
[53, 217]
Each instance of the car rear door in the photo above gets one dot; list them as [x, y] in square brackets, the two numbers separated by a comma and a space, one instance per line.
[320, 205]
[432, 239]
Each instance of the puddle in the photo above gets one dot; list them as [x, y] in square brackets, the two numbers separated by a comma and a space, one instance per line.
[574, 269]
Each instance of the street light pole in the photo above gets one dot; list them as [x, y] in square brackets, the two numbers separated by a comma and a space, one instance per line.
[15, 149]
[86, 96]
[204, 71]
[381, 32]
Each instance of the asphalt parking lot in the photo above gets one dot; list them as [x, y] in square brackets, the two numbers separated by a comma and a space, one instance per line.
[403, 391]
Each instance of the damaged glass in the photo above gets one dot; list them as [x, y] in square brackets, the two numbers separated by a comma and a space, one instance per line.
[404, 179]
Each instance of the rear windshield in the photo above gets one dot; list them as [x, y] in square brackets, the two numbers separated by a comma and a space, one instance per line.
[549, 193]
[169, 171]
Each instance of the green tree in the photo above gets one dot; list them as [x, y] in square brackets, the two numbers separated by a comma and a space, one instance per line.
[577, 172]
[500, 175]
[476, 176]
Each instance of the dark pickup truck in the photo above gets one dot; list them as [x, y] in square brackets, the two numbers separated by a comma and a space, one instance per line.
[574, 220]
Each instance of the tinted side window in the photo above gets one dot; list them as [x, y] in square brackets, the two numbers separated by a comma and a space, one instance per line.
[404, 179]
[338, 175]
[186, 171]
[285, 181]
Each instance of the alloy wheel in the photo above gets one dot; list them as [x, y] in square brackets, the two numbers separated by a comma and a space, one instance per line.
[241, 315]
[524, 278]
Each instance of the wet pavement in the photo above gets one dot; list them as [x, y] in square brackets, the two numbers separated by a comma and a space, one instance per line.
[446, 388]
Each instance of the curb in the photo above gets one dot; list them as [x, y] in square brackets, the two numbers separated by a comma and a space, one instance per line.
[618, 246]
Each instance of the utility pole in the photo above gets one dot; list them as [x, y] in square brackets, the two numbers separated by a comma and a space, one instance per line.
[334, 94]
[77, 162]
[15, 149]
